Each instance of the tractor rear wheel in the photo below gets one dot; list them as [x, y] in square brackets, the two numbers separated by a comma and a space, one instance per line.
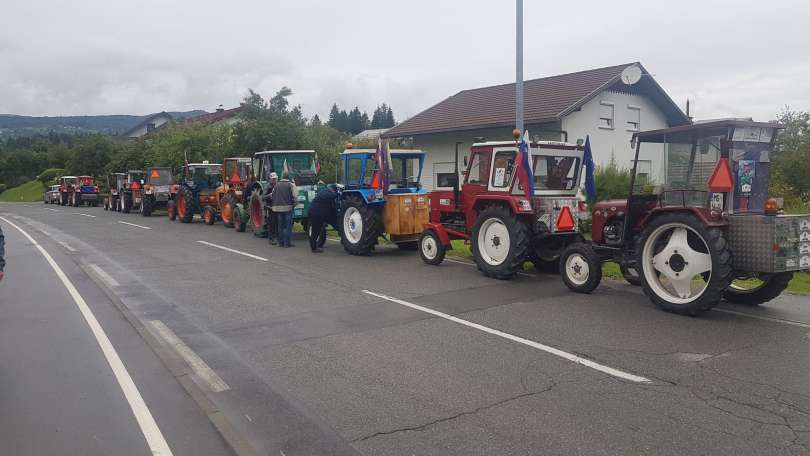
[759, 290]
[500, 242]
[630, 274]
[257, 214]
[581, 267]
[545, 254]
[430, 248]
[239, 223]
[171, 210]
[185, 206]
[684, 265]
[209, 215]
[126, 203]
[360, 227]
[227, 209]
[147, 205]
[321, 240]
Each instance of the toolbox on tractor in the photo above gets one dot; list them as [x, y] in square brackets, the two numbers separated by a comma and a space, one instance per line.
[508, 214]
[303, 168]
[197, 193]
[67, 187]
[705, 230]
[115, 182]
[381, 195]
[234, 193]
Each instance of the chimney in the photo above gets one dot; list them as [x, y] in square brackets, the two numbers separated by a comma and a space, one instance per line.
[220, 108]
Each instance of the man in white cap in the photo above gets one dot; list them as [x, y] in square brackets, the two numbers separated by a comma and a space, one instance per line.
[269, 215]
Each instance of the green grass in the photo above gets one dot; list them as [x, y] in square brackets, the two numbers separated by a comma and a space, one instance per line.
[29, 191]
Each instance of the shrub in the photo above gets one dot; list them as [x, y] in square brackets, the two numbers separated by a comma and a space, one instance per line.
[49, 175]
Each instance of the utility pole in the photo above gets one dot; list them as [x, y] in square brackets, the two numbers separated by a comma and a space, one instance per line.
[519, 68]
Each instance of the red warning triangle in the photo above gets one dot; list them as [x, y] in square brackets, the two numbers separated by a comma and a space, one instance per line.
[155, 174]
[565, 222]
[721, 180]
[235, 176]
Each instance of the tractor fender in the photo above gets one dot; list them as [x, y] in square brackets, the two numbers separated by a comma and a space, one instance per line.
[438, 228]
[511, 201]
[703, 214]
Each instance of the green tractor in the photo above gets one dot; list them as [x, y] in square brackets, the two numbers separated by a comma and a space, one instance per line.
[302, 166]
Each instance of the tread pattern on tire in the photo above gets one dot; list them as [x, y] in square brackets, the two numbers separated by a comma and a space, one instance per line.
[147, 205]
[188, 201]
[372, 221]
[775, 285]
[519, 243]
[228, 201]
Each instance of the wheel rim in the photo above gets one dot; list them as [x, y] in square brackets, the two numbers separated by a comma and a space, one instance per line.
[226, 213]
[353, 225]
[430, 248]
[674, 267]
[256, 214]
[493, 241]
[181, 206]
[577, 269]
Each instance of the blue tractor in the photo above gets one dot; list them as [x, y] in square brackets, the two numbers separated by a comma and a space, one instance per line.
[382, 195]
[198, 193]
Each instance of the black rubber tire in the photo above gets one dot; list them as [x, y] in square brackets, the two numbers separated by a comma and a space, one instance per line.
[539, 255]
[228, 203]
[147, 205]
[321, 242]
[371, 220]
[719, 279]
[239, 223]
[126, 203]
[171, 210]
[408, 246]
[518, 243]
[209, 215]
[629, 276]
[256, 211]
[772, 287]
[441, 251]
[594, 262]
[186, 198]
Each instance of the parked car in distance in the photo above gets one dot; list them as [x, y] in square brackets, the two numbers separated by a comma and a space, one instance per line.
[51, 195]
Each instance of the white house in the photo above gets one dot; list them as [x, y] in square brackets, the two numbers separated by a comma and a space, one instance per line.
[148, 125]
[566, 107]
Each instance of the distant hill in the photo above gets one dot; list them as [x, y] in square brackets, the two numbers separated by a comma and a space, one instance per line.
[14, 125]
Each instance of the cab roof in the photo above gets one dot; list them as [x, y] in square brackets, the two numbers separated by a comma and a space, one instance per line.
[392, 151]
[533, 144]
[685, 133]
[270, 152]
[205, 164]
[67, 177]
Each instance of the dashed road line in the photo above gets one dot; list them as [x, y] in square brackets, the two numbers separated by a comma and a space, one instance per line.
[132, 224]
[800, 324]
[213, 381]
[67, 246]
[228, 249]
[548, 349]
[151, 432]
[85, 215]
[52, 209]
[108, 279]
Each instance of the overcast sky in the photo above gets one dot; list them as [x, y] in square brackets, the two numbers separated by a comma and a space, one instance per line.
[731, 58]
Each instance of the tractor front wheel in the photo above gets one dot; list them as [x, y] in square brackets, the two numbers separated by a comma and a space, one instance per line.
[360, 228]
[171, 210]
[209, 215]
[238, 218]
[500, 242]
[147, 205]
[581, 268]
[431, 248]
[185, 206]
[684, 265]
[126, 203]
[227, 213]
[257, 214]
[757, 290]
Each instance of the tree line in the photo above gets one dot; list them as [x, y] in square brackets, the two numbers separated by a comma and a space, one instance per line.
[264, 125]
[354, 121]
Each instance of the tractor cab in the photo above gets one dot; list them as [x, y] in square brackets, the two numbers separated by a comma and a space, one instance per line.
[204, 176]
[237, 171]
[159, 176]
[116, 181]
[360, 170]
[67, 183]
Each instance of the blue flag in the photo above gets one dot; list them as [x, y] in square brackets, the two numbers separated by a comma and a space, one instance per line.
[590, 183]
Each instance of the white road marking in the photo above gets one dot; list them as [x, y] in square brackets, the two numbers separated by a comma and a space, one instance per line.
[760, 317]
[85, 215]
[525, 274]
[67, 247]
[554, 351]
[205, 373]
[27, 205]
[54, 210]
[228, 249]
[151, 432]
[45, 232]
[112, 283]
[132, 224]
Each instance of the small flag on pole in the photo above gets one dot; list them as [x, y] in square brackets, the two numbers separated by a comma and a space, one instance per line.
[524, 165]
[590, 182]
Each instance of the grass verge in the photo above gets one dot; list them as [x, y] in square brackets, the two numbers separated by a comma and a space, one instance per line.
[27, 192]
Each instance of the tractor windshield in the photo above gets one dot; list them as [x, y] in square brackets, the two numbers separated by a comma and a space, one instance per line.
[237, 170]
[160, 176]
[556, 172]
[87, 180]
[405, 171]
[206, 175]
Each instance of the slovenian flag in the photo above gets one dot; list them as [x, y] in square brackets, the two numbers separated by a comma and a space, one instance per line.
[524, 165]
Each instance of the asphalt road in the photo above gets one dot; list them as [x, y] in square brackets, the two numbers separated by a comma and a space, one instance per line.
[332, 354]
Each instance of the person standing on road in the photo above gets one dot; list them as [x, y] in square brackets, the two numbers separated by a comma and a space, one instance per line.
[2, 253]
[322, 210]
[270, 216]
[284, 199]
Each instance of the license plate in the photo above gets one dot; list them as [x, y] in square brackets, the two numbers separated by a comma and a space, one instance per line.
[162, 189]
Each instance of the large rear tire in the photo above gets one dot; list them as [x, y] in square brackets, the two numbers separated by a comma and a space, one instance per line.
[630, 274]
[769, 287]
[684, 265]
[226, 209]
[147, 205]
[580, 267]
[257, 214]
[500, 243]
[239, 223]
[185, 206]
[126, 203]
[360, 226]
[171, 210]
[209, 215]
[545, 254]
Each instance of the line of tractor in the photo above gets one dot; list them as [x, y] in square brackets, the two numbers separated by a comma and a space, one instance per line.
[709, 232]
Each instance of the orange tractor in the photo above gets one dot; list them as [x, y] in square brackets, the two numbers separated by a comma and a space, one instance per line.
[237, 177]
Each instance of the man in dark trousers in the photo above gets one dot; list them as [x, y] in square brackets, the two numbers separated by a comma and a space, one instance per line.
[322, 210]
[2, 252]
[284, 198]
[269, 215]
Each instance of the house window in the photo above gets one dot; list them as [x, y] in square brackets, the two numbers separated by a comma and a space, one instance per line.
[633, 118]
[606, 110]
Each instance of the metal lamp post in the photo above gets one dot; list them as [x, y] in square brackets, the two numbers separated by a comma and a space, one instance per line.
[519, 68]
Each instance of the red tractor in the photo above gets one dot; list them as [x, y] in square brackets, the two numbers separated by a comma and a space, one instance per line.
[493, 212]
[702, 230]
[233, 194]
